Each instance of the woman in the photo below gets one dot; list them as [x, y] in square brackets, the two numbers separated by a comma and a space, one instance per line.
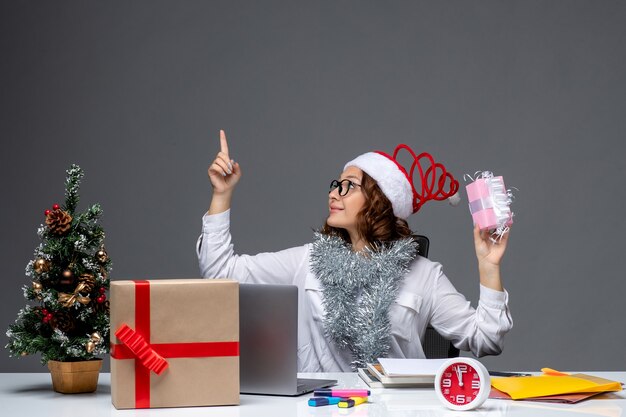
[364, 292]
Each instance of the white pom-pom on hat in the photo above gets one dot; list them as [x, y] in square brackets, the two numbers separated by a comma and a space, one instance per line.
[397, 184]
[454, 200]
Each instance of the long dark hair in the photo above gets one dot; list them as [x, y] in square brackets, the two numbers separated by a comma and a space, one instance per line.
[376, 223]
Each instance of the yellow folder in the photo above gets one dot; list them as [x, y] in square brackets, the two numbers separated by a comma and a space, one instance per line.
[539, 386]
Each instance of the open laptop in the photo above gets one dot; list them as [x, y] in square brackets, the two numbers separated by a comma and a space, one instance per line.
[268, 340]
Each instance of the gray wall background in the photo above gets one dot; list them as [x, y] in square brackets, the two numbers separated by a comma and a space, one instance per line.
[136, 92]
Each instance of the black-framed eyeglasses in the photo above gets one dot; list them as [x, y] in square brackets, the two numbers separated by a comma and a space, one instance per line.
[344, 186]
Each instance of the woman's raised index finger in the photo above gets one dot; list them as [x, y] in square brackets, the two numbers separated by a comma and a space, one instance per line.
[223, 142]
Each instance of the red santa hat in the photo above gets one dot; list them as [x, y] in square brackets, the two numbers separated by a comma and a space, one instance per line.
[398, 185]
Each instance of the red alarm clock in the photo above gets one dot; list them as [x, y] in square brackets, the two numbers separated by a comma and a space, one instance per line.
[462, 384]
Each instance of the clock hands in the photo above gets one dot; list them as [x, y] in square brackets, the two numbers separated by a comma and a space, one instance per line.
[458, 375]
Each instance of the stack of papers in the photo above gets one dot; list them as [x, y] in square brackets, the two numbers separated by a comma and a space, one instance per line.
[398, 373]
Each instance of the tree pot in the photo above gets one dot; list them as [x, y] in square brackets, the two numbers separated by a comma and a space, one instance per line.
[75, 377]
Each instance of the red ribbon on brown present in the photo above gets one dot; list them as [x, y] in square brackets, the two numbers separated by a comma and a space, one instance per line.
[141, 349]
[150, 356]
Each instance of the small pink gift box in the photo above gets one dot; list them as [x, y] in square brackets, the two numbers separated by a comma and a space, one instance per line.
[489, 202]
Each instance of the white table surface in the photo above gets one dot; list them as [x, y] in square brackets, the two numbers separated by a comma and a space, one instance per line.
[30, 394]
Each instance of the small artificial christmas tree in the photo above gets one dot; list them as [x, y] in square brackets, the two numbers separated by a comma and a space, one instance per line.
[69, 277]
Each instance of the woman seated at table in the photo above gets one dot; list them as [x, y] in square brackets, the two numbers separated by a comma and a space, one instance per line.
[364, 291]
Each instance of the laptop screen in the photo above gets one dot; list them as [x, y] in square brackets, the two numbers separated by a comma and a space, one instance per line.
[268, 337]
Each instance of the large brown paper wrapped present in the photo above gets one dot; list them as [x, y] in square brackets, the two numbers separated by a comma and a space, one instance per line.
[174, 343]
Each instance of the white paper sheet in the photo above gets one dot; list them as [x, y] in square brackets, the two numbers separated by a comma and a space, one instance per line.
[397, 367]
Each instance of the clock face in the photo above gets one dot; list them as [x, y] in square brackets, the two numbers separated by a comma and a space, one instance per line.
[460, 384]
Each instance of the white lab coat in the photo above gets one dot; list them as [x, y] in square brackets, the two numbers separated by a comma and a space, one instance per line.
[425, 296]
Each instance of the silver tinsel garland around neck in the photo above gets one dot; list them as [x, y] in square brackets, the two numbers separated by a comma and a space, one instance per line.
[358, 290]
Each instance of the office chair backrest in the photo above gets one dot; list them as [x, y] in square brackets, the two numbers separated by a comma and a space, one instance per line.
[435, 346]
[422, 245]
